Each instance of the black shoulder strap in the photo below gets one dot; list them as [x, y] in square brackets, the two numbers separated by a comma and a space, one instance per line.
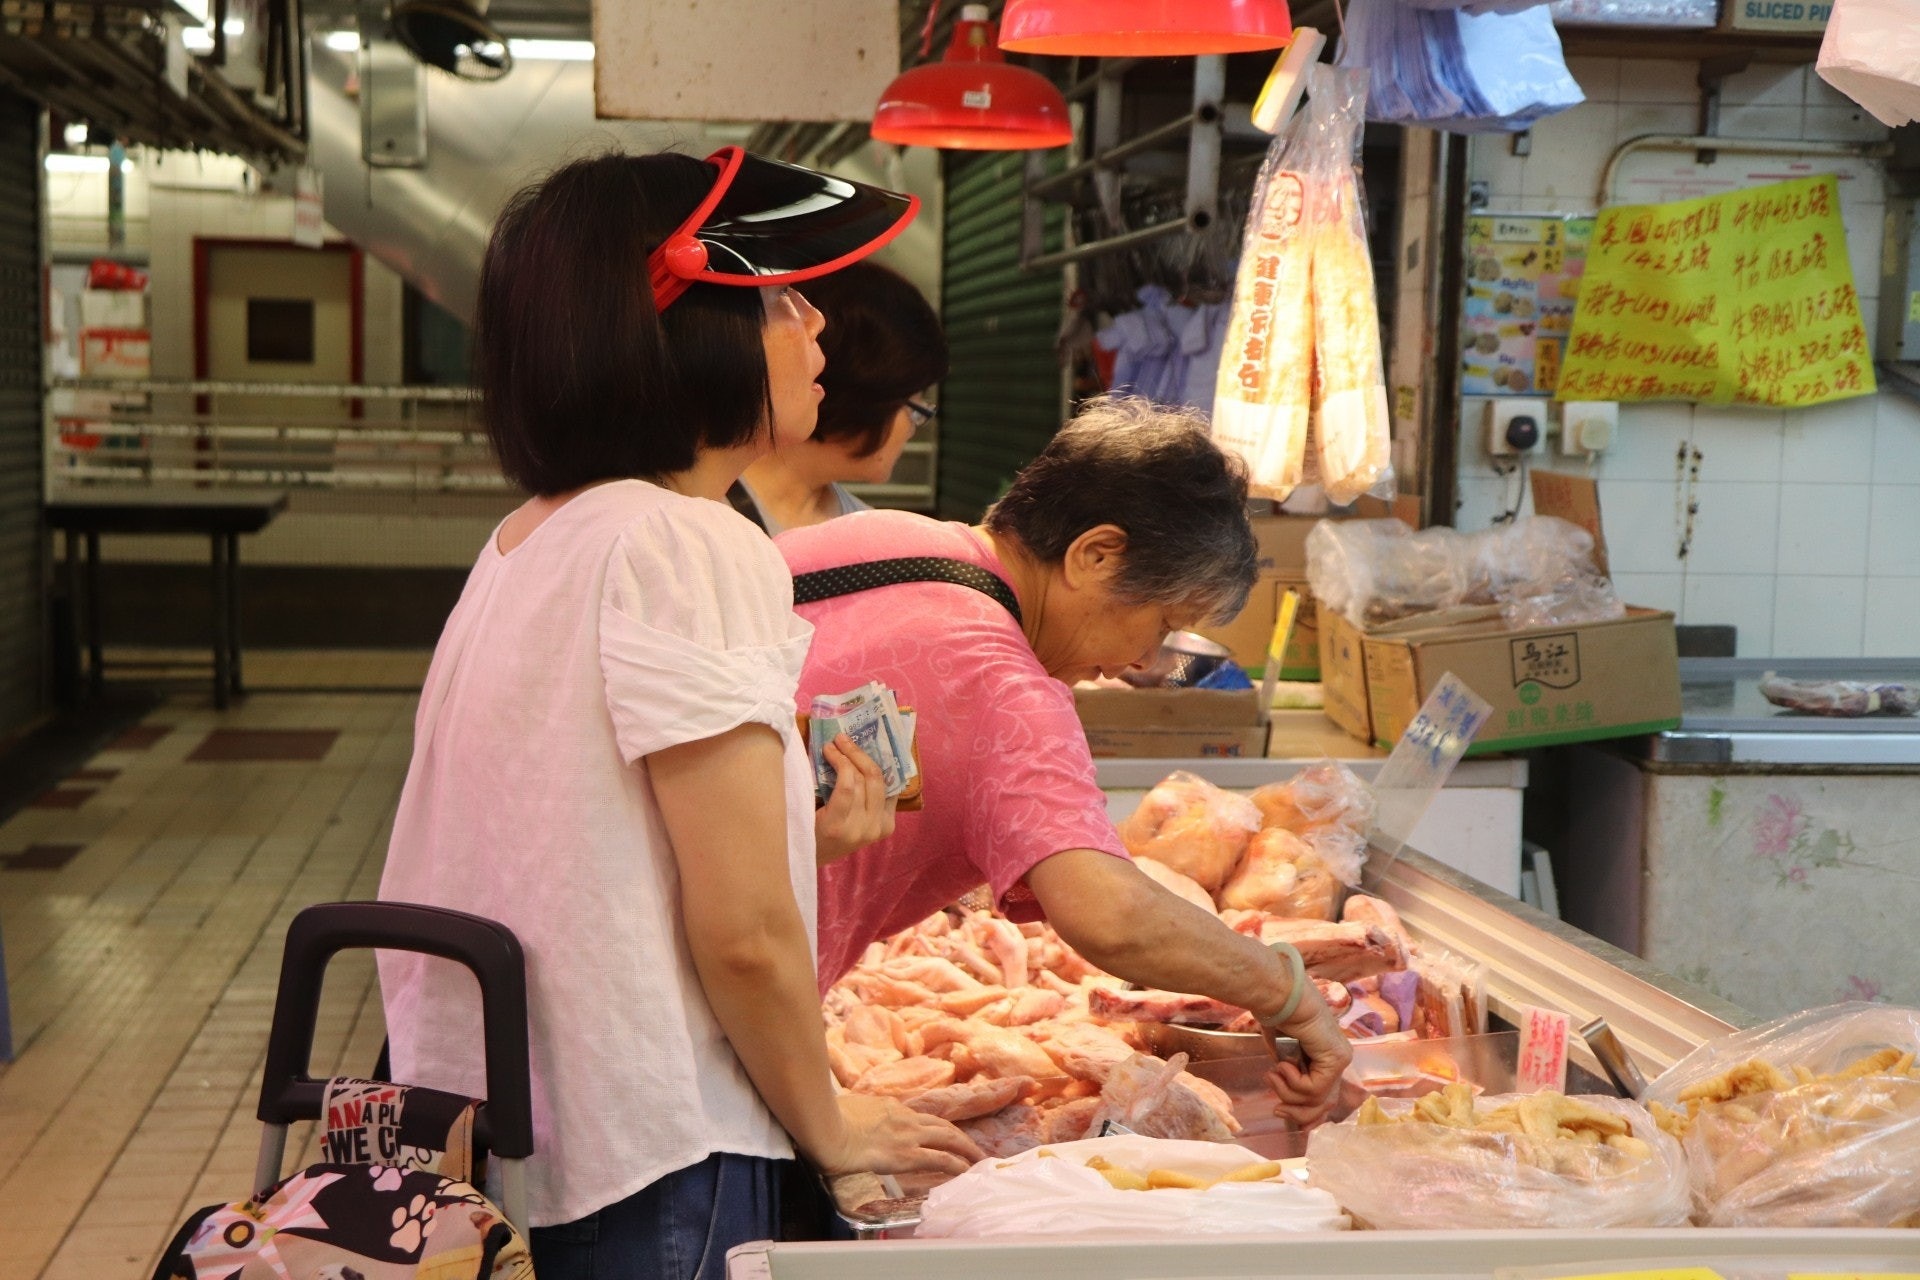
[824, 584]
[743, 503]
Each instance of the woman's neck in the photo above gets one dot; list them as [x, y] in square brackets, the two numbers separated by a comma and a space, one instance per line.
[791, 490]
[1029, 578]
[712, 473]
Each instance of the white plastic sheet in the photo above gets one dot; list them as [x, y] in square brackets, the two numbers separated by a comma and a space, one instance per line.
[1871, 53]
[1059, 1197]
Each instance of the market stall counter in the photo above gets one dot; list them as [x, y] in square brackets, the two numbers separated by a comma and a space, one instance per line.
[1751, 832]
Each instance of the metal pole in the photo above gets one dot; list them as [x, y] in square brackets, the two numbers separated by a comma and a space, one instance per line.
[1112, 244]
[1203, 149]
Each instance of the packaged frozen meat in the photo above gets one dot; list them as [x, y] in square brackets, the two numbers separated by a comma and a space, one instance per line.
[1192, 826]
[1451, 1160]
[1812, 1120]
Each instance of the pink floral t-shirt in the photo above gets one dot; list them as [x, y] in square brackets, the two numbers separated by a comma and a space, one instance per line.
[1009, 781]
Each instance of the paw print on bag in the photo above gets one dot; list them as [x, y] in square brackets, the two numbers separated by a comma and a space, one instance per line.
[386, 1178]
[413, 1224]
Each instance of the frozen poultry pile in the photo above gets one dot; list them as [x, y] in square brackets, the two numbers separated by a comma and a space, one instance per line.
[1273, 866]
[991, 1025]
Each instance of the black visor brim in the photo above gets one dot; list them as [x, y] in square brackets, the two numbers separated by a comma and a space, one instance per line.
[779, 220]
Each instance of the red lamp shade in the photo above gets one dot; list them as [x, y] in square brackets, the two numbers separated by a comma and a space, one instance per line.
[972, 100]
[1144, 28]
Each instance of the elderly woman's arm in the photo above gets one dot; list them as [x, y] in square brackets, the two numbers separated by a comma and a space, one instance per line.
[1110, 912]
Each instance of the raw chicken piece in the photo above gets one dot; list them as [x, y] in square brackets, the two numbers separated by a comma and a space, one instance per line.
[1336, 952]
[870, 986]
[878, 1028]
[1374, 913]
[906, 1078]
[971, 1100]
[1009, 947]
[1270, 876]
[1084, 1051]
[1147, 1096]
[991, 1050]
[1008, 1131]
[1164, 1006]
[850, 1062]
[1019, 1008]
[932, 972]
[1339, 999]
[1214, 1096]
[964, 1004]
[1070, 1121]
[1183, 886]
[1194, 827]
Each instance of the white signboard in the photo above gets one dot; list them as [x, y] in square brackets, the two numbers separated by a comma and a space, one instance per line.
[743, 59]
[1804, 17]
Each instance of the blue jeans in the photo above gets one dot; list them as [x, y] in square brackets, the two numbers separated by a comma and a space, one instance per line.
[679, 1228]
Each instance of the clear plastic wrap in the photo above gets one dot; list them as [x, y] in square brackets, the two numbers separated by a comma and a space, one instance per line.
[1841, 697]
[1329, 808]
[1378, 571]
[1417, 1175]
[1809, 1121]
[1302, 353]
[1192, 826]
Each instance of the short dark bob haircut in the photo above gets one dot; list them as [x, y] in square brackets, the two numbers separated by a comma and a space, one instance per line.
[1155, 472]
[580, 378]
[883, 344]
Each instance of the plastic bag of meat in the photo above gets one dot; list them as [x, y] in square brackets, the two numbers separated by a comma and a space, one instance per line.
[1449, 1160]
[1330, 810]
[1154, 1099]
[1263, 396]
[1809, 1121]
[1194, 827]
[1204, 1189]
[1350, 424]
[1840, 697]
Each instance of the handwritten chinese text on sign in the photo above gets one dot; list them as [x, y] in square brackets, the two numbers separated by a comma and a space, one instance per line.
[1743, 298]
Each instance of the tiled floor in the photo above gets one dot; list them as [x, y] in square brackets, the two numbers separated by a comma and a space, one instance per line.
[142, 924]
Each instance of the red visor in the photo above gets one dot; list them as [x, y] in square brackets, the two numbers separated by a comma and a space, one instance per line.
[769, 223]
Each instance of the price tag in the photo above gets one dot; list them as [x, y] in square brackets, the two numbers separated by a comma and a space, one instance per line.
[1543, 1053]
[1423, 760]
[1277, 648]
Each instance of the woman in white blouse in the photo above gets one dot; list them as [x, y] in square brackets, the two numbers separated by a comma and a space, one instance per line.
[605, 756]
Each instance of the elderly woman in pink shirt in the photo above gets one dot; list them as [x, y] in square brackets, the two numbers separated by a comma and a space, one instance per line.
[1131, 524]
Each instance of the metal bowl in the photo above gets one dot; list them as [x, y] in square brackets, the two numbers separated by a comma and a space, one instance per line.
[1206, 1044]
[1185, 659]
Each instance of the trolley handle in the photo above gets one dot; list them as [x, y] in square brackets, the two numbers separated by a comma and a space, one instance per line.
[504, 1124]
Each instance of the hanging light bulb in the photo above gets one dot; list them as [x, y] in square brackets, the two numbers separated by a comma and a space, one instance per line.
[972, 99]
[1144, 28]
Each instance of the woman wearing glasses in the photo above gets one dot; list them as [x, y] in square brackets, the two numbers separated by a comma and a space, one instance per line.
[624, 652]
[884, 349]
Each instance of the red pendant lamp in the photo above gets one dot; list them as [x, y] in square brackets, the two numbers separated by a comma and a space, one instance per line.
[973, 99]
[1144, 28]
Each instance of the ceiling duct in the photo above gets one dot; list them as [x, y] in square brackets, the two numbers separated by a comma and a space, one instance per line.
[453, 35]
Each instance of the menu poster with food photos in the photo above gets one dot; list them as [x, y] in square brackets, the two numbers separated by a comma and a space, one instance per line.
[1523, 276]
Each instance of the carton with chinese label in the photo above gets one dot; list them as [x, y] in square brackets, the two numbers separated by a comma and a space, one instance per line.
[1172, 724]
[1247, 635]
[1547, 685]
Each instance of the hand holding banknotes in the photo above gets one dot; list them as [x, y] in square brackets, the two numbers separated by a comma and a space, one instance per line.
[859, 811]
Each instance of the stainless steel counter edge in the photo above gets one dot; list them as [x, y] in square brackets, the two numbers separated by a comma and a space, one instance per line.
[1834, 747]
[1141, 775]
[1534, 959]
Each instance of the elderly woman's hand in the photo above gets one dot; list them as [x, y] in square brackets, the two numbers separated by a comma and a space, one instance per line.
[859, 811]
[1307, 1095]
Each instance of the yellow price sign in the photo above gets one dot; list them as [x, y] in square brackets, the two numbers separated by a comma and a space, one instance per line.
[1743, 298]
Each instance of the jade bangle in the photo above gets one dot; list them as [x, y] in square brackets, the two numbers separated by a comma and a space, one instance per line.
[1297, 983]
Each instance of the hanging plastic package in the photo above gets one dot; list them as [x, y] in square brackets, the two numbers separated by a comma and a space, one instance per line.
[1515, 64]
[1263, 396]
[1871, 53]
[1350, 423]
[1461, 65]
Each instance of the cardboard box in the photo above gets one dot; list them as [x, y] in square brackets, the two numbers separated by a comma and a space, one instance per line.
[1343, 675]
[1172, 723]
[1548, 685]
[1247, 634]
[1282, 546]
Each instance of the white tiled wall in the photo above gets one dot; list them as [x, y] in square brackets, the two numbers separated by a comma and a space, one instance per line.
[1807, 533]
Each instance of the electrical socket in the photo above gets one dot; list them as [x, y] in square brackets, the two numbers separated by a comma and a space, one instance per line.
[1516, 427]
[1588, 427]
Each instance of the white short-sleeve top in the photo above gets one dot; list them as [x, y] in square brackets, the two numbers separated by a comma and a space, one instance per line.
[632, 620]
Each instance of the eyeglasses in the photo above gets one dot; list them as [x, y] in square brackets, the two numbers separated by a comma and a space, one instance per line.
[921, 413]
[770, 223]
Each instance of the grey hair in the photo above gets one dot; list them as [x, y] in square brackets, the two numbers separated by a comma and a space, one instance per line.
[1154, 471]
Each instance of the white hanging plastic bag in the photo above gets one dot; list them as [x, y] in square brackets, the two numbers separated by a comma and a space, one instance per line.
[1871, 53]
[1051, 1192]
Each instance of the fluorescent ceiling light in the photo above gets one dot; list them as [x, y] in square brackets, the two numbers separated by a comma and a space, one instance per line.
[198, 39]
[76, 135]
[342, 41]
[236, 26]
[553, 50]
[58, 163]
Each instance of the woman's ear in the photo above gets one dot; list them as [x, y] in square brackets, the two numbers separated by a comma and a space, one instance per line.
[1095, 556]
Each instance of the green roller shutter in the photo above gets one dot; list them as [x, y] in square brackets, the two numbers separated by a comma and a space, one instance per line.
[22, 608]
[1001, 401]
